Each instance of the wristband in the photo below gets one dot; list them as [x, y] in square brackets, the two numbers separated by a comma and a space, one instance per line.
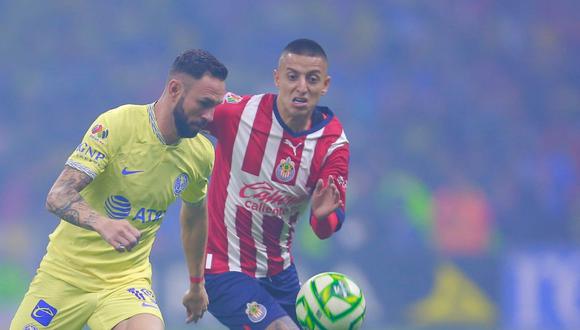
[194, 279]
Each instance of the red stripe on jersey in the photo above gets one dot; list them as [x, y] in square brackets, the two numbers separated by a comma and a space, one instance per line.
[331, 133]
[293, 220]
[247, 244]
[227, 116]
[258, 137]
[288, 159]
[272, 228]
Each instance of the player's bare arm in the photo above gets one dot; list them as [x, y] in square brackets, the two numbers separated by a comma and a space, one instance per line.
[65, 201]
[193, 220]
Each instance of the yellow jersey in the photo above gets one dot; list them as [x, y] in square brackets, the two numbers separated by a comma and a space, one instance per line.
[136, 176]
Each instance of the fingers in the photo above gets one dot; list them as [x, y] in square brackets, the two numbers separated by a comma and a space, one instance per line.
[194, 317]
[318, 186]
[125, 237]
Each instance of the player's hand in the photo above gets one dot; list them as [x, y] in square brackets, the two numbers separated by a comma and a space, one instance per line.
[120, 234]
[195, 302]
[325, 198]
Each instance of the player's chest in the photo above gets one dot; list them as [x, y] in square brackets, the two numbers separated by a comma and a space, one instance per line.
[151, 174]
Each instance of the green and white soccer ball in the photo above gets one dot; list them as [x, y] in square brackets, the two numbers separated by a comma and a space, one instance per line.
[330, 301]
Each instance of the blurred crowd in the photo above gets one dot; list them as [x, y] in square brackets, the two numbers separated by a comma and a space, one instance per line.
[463, 119]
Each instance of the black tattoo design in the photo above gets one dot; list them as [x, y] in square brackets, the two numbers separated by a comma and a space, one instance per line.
[65, 201]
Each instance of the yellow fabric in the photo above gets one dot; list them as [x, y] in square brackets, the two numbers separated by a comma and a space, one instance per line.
[74, 307]
[136, 177]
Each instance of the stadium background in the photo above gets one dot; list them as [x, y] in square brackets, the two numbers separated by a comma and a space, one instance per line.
[464, 122]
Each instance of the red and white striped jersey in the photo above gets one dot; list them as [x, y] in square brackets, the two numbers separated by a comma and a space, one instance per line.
[262, 180]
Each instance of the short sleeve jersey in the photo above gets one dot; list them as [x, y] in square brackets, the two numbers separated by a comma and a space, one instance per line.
[136, 176]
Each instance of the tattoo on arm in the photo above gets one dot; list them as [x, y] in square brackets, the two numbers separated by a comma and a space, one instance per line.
[65, 201]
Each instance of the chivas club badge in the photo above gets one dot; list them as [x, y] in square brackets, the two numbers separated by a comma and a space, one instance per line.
[286, 170]
[256, 312]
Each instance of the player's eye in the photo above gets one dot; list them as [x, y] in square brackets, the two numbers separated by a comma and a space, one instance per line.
[313, 79]
[206, 103]
[292, 76]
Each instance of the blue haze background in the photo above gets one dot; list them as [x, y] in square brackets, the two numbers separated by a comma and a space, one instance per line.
[463, 206]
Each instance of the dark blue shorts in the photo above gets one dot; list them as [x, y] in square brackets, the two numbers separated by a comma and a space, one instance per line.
[243, 302]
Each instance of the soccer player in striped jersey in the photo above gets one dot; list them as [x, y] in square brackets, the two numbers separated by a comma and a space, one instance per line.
[111, 197]
[274, 155]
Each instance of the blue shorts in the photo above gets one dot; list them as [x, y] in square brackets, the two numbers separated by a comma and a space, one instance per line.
[243, 302]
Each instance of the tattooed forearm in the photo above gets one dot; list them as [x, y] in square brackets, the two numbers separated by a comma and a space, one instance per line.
[65, 201]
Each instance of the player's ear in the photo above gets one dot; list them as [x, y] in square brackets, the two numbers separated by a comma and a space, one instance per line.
[276, 78]
[174, 87]
[326, 85]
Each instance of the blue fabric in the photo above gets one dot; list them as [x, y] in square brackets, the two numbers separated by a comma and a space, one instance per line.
[238, 300]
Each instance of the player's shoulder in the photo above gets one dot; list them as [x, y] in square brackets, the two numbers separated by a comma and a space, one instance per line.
[123, 115]
[232, 100]
[330, 121]
[121, 121]
[200, 147]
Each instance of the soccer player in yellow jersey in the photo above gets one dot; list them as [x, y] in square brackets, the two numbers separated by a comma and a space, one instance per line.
[111, 197]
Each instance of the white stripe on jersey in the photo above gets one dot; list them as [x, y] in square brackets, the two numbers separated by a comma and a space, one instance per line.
[342, 140]
[238, 152]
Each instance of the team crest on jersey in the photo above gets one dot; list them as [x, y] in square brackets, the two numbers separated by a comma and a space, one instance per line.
[100, 131]
[232, 98]
[256, 312]
[180, 184]
[286, 170]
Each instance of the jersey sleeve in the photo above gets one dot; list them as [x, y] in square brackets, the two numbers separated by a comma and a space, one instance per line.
[96, 149]
[336, 165]
[197, 190]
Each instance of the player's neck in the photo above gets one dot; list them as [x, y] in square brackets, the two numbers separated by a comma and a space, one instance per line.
[297, 122]
[165, 122]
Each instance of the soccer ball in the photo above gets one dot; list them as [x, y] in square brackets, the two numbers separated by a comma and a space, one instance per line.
[330, 301]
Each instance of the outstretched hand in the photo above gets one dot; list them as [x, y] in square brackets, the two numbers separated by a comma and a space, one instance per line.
[195, 302]
[325, 198]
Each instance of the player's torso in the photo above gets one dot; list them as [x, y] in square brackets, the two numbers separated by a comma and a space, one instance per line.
[262, 181]
[142, 178]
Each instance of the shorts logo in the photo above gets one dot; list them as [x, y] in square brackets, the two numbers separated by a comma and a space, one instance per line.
[232, 98]
[100, 131]
[180, 184]
[256, 312]
[117, 207]
[30, 326]
[146, 297]
[43, 313]
[285, 171]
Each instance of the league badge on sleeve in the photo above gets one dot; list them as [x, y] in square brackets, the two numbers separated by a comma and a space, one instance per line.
[232, 98]
[180, 184]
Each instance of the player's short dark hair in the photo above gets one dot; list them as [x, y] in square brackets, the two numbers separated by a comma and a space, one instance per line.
[305, 47]
[198, 62]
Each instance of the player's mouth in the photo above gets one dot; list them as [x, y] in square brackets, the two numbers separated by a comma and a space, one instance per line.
[300, 101]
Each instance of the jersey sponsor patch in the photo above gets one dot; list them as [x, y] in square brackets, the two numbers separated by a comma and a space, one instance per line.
[286, 170]
[180, 184]
[117, 207]
[43, 313]
[256, 312]
[232, 98]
